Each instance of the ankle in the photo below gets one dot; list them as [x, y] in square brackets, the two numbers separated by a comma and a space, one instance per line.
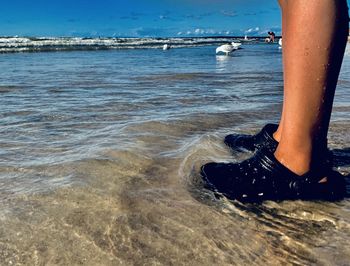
[277, 135]
[296, 160]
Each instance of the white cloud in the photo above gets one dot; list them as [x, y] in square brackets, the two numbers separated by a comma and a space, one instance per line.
[257, 31]
[200, 32]
[252, 30]
[228, 13]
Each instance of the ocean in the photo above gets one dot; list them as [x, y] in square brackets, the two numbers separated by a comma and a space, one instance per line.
[101, 146]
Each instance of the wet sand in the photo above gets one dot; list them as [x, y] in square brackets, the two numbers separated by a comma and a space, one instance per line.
[137, 198]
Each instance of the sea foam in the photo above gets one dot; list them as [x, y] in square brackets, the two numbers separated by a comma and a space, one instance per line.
[37, 44]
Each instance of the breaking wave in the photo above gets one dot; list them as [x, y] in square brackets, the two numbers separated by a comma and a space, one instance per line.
[40, 44]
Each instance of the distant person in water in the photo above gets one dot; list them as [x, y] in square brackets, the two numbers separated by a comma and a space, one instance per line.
[291, 159]
[271, 37]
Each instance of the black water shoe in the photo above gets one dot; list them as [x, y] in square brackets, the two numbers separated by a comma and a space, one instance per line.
[242, 142]
[262, 177]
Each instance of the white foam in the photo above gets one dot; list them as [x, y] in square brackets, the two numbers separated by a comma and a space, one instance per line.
[23, 44]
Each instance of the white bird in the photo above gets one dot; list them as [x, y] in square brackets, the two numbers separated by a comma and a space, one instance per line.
[236, 45]
[166, 47]
[228, 48]
[280, 42]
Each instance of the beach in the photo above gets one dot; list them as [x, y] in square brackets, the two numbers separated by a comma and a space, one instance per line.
[101, 149]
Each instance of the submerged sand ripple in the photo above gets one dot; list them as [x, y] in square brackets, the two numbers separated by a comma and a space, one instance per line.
[132, 208]
[110, 177]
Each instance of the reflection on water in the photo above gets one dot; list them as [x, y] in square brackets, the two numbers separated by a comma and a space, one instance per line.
[99, 161]
[222, 62]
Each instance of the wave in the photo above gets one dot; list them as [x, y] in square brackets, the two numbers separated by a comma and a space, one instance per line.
[40, 44]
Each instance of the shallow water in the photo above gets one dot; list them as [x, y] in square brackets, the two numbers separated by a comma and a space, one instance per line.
[100, 152]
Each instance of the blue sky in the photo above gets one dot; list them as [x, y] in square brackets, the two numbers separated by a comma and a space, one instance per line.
[138, 18]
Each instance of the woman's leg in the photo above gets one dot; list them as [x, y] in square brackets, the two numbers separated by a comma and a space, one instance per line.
[314, 38]
[278, 133]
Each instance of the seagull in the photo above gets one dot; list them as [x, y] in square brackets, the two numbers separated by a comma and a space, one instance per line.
[228, 48]
[166, 47]
[280, 42]
[236, 45]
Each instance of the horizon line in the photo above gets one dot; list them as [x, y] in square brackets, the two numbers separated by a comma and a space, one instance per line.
[115, 37]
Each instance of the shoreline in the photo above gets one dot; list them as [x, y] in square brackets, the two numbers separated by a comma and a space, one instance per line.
[47, 44]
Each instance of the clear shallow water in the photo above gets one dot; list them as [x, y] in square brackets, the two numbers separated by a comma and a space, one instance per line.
[100, 152]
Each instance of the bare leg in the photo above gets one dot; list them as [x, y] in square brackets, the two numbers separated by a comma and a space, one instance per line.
[314, 39]
[278, 133]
